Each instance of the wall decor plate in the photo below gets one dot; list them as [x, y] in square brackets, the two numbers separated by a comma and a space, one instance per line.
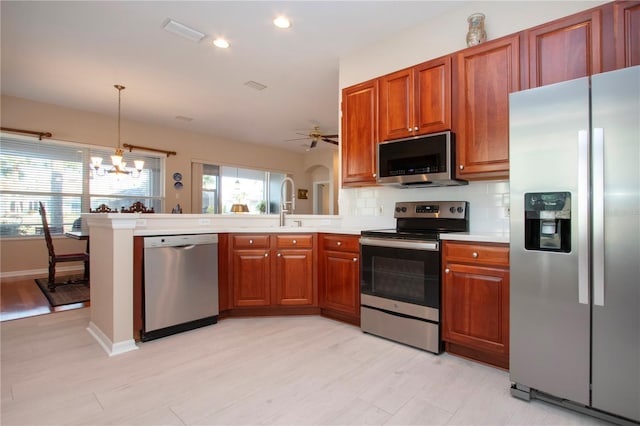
[177, 177]
[178, 185]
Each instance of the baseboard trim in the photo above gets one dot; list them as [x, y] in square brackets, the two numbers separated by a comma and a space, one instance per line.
[109, 347]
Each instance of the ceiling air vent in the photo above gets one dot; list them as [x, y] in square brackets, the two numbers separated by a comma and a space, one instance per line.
[183, 31]
[255, 85]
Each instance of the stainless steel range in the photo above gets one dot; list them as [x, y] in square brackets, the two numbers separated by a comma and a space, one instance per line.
[400, 272]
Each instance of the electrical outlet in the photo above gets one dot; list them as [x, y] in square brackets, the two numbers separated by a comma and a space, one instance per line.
[507, 211]
[379, 210]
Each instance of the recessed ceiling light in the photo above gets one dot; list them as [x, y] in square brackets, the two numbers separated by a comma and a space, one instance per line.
[183, 31]
[282, 22]
[221, 43]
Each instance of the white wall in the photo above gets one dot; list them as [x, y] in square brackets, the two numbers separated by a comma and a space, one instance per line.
[437, 37]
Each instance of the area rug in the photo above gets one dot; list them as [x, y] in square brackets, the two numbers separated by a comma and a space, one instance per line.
[65, 294]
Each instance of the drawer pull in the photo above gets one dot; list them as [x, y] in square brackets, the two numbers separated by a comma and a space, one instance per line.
[474, 255]
[447, 270]
[294, 242]
[250, 241]
[339, 243]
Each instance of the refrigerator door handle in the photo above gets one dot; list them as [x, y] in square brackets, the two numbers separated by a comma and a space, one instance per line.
[598, 216]
[583, 217]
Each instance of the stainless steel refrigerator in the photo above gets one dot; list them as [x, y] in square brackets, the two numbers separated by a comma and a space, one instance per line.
[575, 244]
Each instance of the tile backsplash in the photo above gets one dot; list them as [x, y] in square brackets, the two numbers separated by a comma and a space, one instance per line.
[372, 207]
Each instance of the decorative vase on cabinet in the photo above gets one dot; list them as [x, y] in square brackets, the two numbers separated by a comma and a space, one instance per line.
[476, 33]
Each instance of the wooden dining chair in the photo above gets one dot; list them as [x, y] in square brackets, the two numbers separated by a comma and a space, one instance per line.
[56, 258]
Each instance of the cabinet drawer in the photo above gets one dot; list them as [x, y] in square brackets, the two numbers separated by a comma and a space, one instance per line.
[250, 241]
[477, 253]
[294, 241]
[348, 243]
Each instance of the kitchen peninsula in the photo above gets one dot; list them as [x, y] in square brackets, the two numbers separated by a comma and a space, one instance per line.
[112, 251]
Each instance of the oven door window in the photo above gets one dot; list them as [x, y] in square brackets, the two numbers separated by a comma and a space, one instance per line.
[406, 275]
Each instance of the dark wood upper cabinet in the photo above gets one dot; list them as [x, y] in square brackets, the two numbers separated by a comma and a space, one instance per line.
[627, 33]
[359, 134]
[565, 49]
[433, 95]
[485, 75]
[396, 105]
[416, 100]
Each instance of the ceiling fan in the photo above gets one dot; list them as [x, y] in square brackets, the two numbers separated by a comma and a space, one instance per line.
[316, 135]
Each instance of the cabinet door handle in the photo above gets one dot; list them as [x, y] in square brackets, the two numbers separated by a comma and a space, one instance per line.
[474, 255]
[374, 175]
[339, 243]
[447, 270]
[266, 255]
[461, 167]
[415, 128]
[355, 259]
[279, 254]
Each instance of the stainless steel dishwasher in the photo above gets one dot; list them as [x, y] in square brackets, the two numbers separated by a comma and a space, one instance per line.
[180, 284]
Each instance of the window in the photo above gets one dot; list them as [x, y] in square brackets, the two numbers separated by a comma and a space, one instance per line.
[223, 186]
[58, 174]
[210, 185]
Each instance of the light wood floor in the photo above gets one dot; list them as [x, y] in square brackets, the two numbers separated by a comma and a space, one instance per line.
[249, 371]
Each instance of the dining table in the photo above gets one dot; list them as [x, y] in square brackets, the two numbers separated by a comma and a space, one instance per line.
[79, 235]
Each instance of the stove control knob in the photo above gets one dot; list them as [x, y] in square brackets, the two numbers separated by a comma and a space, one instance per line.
[460, 209]
[398, 209]
[404, 209]
[452, 209]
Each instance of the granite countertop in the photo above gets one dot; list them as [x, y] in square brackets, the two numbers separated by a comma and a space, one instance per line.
[479, 237]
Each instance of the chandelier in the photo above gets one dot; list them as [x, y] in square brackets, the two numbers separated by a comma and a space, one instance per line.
[118, 167]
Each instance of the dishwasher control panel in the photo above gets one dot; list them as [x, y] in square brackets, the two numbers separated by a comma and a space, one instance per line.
[180, 240]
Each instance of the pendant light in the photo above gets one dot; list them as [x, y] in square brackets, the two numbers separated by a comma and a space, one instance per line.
[119, 166]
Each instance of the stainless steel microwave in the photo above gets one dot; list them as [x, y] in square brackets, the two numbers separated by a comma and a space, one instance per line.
[421, 161]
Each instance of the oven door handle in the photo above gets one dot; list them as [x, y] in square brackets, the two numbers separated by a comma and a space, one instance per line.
[403, 244]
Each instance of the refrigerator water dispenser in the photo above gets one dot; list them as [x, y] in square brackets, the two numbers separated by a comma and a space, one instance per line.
[548, 221]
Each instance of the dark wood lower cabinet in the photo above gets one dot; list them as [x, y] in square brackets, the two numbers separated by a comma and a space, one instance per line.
[270, 274]
[339, 277]
[475, 308]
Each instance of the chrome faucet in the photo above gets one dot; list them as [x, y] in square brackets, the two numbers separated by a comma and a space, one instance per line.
[283, 199]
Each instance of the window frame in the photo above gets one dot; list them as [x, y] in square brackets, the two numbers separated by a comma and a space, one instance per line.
[85, 195]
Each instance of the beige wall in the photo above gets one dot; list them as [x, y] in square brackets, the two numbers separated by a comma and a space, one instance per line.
[86, 127]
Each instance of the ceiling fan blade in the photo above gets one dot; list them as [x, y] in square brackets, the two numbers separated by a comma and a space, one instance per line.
[326, 139]
[330, 136]
[314, 143]
[296, 139]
